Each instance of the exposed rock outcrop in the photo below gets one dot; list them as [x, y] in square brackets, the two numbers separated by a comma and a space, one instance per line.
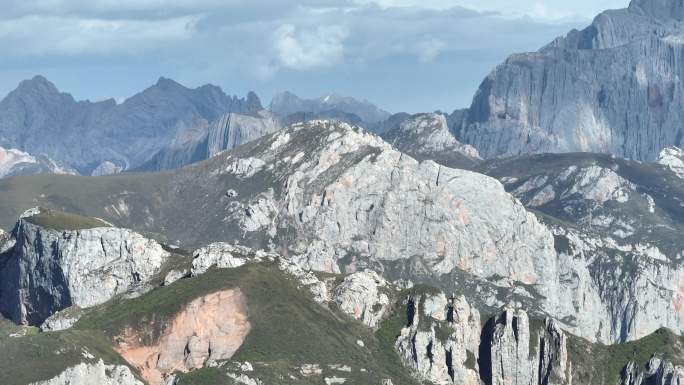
[620, 257]
[227, 256]
[673, 158]
[208, 329]
[361, 296]
[17, 163]
[610, 88]
[427, 136]
[49, 269]
[106, 168]
[228, 131]
[657, 371]
[520, 354]
[440, 342]
[62, 320]
[445, 343]
[94, 373]
[334, 198]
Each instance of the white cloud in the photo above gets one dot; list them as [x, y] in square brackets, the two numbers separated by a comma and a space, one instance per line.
[305, 49]
[44, 35]
[429, 49]
[543, 10]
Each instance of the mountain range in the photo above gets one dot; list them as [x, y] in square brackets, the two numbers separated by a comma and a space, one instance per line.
[149, 129]
[533, 238]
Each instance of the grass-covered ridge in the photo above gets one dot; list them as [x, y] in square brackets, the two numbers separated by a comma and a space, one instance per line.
[288, 330]
[62, 221]
[601, 364]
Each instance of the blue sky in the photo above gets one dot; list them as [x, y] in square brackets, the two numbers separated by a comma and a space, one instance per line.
[404, 55]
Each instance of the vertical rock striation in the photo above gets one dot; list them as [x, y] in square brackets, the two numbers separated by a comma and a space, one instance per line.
[611, 88]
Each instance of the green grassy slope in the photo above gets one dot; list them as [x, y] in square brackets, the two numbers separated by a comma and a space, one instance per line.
[59, 220]
[288, 328]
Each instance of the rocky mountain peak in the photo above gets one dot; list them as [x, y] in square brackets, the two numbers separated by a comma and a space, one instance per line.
[39, 90]
[253, 102]
[168, 83]
[38, 82]
[287, 103]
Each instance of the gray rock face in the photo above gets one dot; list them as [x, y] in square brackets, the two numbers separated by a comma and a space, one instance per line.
[38, 119]
[427, 136]
[621, 255]
[445, 343]
[657, 371]
[17, 163]
[610, 88]
[62, 320]
[286, 103]
[440, 342]
[355, 196]
[673, 158]
[361, 296]
[106, 168]
[49, 270]
[334, 198]
[94, 373]
[228, 256]
[517, 355]
[229, 131]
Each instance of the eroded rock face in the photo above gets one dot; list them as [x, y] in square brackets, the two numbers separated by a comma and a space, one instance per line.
[445, 343]
[523, 355]
[334, 198]
[361, 296]
[657, 371]
[208, 329]
[93, 373]
[17, 163]
[106, 168]
[440, 342]
[427, 136]
[673, 158]
[624, 99]
[48, 270]
[62, 320]
[357, 196]
[226, 132]
[621, 256]
[223, 255]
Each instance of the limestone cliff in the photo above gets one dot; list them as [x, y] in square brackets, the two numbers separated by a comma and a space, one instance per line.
[610, 88]
[93, 373]
[50, 268]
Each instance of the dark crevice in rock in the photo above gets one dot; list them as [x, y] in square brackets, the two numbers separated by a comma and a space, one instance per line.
[429, 353]
[450, 314]
[544, 372]
[484, 360]
[410, 312]
[515, 329]
[450, 364]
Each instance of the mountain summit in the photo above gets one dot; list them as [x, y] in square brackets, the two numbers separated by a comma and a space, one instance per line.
[37, 118]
